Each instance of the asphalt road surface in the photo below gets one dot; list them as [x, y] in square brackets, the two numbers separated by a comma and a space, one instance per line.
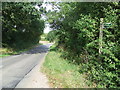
[15, 68]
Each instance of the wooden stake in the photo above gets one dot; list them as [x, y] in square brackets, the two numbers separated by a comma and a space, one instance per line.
[100, 35]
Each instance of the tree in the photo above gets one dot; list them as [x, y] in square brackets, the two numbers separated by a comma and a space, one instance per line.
[77, 26]
[51, 36]
[22, 24]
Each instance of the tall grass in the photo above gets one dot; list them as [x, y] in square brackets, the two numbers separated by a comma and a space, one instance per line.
[62, 73]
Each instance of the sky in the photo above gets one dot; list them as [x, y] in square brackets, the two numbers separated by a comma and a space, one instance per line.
[48, 7]
[47, 26]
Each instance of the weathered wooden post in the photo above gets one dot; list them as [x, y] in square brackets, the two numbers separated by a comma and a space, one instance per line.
[101, 35]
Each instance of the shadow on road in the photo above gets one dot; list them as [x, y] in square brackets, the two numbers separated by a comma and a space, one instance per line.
[38, 49]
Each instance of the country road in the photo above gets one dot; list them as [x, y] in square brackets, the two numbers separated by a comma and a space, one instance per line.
[14, 68]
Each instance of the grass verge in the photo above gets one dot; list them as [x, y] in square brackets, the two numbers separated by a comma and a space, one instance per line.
[63, 74]
[10, 51]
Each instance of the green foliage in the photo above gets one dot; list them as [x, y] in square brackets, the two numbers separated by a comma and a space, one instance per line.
[22, 25]
[78, 27]
[43, 37]
[51, 36]
[61, 73]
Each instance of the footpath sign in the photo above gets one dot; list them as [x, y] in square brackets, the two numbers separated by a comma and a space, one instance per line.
[107, 25]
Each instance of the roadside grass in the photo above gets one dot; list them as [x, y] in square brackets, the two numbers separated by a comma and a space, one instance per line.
[10, 51]
[5, 52]
[63, 74]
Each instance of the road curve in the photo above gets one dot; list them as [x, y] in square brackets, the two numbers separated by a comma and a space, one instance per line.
[15, 68]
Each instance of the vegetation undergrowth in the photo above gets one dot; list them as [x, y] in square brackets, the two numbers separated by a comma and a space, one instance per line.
[90, 38]
[62, 73]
